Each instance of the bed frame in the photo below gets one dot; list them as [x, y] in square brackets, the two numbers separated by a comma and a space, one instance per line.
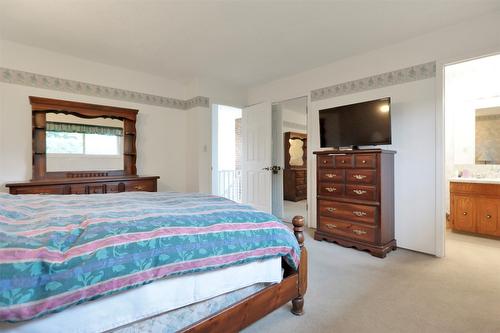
[247, 311]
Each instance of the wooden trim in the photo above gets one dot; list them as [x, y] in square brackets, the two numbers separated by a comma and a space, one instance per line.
[249, 310]
[41, 106]
[82, 109]
[83, 180]
[353, 151]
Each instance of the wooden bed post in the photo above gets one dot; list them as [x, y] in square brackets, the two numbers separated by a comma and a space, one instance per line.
[298, 302]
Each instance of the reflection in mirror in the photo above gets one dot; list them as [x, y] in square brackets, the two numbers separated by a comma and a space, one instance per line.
[488, 135]
[82, 144]
[296, 152]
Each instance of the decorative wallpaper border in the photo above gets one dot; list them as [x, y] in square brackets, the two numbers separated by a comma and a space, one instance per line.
[404, 75]
[54, 83]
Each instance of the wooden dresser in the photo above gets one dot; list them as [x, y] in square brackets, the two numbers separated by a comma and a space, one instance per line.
[85, 185]
[355, 199]
[475, 208]
[295, 184]
[45, 181]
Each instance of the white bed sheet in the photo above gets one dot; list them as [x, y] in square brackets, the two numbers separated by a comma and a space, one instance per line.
[152, 299]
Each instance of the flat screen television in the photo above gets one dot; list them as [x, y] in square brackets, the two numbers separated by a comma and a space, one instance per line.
[360, 124]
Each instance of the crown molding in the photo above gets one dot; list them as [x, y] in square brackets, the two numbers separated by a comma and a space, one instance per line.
[400, 76]
[14, 76]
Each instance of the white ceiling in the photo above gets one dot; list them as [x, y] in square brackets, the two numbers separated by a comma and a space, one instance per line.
[238, 42]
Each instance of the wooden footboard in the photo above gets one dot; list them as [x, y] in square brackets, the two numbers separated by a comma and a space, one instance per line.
[247, 311]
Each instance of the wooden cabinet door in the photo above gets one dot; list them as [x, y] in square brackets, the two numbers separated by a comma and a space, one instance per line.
[464, 213]
[487, 216]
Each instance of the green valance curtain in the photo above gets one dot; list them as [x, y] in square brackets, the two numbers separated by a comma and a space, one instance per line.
[84, 129]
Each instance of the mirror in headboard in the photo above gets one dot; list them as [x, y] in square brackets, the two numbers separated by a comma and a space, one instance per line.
[72, 139]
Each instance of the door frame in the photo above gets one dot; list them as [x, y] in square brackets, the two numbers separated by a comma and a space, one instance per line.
[440, 213]
[215, 149]
[278, 182]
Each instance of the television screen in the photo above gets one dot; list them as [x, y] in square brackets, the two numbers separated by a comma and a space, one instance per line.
[360, 124]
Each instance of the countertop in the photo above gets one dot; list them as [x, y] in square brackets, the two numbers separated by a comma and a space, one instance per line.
[475, 180]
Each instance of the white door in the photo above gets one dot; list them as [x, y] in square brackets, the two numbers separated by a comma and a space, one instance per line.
[256, 137]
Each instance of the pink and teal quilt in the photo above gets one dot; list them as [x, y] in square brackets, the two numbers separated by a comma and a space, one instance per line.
[58, 251]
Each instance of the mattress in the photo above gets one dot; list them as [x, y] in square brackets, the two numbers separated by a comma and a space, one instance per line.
[150, 300]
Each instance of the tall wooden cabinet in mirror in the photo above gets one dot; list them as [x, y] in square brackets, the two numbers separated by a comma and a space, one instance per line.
[295, 172]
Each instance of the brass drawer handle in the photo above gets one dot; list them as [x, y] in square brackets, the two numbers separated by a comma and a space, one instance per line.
[465, 213]
[325, 161]
[139, 187]
[331, 226]
[488, 216]
[359, 232]
[330, 189]
[359, 176]
[359, 192]
[331, 209]
[342, 161]
[330, 175]
[359, 213]
[363, 161]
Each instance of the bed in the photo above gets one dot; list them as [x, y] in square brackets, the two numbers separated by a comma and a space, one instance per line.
[139, 261]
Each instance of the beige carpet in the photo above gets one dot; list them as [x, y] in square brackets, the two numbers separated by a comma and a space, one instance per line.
[351, 291]
[291, 209]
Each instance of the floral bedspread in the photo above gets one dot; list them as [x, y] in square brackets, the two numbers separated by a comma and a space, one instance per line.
[61, 250]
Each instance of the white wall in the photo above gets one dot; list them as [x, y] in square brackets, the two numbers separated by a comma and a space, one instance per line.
[294, 121]
[413, 137]
[162, 139]
[417, 118]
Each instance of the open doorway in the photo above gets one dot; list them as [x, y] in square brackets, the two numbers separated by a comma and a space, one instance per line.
[226, 152]
[472, 149]
[290, 154]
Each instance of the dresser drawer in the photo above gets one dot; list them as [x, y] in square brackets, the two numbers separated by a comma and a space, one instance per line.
[300, 173]
[302, 193]
[325, 161]
[115, 187]
[361, 192]
[144, 185]
[96, 188]
[300, 181]
[343, 161]
[346, 211]
[78, 189]
[346, 229]
[61, 189]
[365, 161]
[361, 176]
[331, 175]
[331, 189]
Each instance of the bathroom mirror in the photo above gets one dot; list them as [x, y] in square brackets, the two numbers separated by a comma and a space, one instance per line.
[83, 144]
[488, 136]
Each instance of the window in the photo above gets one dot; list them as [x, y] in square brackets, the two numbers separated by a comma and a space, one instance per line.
[83, 139]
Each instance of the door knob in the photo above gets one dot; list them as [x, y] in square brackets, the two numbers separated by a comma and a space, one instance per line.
[273, 168]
